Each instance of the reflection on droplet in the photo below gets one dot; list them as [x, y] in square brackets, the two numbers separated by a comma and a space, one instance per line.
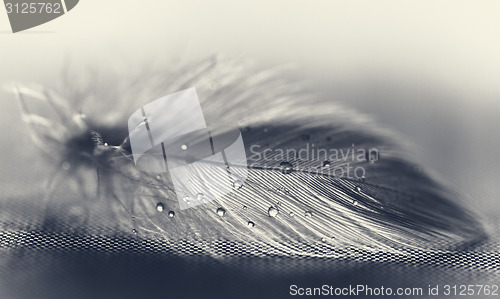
[221, 212]
[291, 214]
[326, 164]
[286, 167]
[159, 207]
[308, 214]
[244, 207]
[237, 184]
[171, 214]
[106, 144]
[272, 212]
[251, 224]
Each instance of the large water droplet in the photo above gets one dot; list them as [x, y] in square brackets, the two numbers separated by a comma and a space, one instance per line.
[171, 214]
[251, 224]
[286, 167]
[221, 212]
[66, 165]
[272, 212]
[237, 184]
[159, 207]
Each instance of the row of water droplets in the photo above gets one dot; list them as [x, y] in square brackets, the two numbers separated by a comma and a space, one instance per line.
[273, 211]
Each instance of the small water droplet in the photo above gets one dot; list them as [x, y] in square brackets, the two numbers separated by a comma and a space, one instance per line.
[326, 164]
[272, 212]
[357, 189]
[237, 184]
[286, 167]
[200, 196]
[308, 214]
[244, 207]
[171, 214]
[186, 197]
[354, 202]
[221, 212]
[134, 231]
[184, 147]
[291, 214]
[158, 177]
[159, 207]
[66, 165]
[251, 224]
[323, 239]
[106, 144]
[133, 217]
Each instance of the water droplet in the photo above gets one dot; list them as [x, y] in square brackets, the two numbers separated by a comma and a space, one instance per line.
[354, 202]
[65, 165]
[326, 164]
[171, 214]
[159, 207]
[357, 189]
[133, 217]
[244, 207]
[251, 224]
[158, 177]
[237, 184]
[286, 167]
[221, 212]
[308, 214]
[362, 179]
[106, 144]
[134, 231]
[272, 212]
[186, 197]
[184, 147]
[291, 214]
[323, 239]
[200, 196]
